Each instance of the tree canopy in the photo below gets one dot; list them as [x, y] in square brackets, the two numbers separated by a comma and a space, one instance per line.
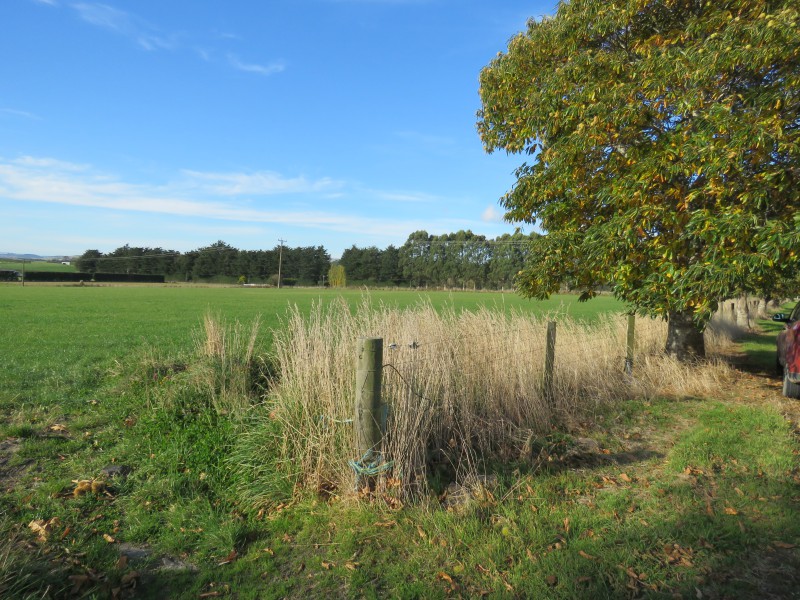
[664, 138]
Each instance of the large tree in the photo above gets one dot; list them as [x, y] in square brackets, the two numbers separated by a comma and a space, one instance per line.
[664, 144]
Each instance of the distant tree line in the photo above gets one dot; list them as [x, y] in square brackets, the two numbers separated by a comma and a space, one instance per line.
[217, 262]
[453, 260]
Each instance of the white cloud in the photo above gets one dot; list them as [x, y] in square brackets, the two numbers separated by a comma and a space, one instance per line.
[400, 196]
[30, 179]
[148, 37]
[270, 69]
[125, 24]
[47, 2]
[259, 184]
[20, 113]
[492, 215]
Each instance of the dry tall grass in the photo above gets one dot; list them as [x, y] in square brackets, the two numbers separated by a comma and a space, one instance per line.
[460, 386]
[226, 362]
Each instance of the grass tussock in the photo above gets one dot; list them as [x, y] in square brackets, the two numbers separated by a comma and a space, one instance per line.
[460, 388]
[228, 365]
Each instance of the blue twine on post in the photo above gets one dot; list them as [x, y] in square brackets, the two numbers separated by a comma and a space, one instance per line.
[370, 464]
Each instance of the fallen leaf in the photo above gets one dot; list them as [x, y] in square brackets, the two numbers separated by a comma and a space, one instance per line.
[386, 524]
[352, 566]
[108, 538]
[586, 555]
[729, 510]
[58, 427]
[421, 533]
[130, 578]
[43, 528]
[269, 551]
[328, 565]
[784, 545]
[229, 559]
[551, 580]
[445, 577]
[625, 478]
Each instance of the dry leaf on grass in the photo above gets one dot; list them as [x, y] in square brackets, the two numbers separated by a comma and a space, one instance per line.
[386, 524]
[784, 545]
[444, 577]
[43, 528]
[229, 559]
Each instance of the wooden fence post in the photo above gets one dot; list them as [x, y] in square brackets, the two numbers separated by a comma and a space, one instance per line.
[630, 343]
[549, 363]
[367, 420]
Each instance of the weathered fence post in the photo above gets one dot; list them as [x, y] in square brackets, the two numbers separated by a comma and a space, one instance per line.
[549, 363]
[630, 343]
[368, 395]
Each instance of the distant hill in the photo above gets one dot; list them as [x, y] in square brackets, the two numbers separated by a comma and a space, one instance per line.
[14, 256]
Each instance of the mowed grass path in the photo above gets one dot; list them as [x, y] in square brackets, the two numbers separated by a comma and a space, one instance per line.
[62, 338]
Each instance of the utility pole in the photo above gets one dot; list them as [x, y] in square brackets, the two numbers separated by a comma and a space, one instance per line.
[280, 260]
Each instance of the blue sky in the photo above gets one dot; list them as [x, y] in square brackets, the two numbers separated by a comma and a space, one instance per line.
[176, 123]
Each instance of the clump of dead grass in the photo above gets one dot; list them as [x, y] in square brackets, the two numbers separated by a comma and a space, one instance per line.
[459, 387]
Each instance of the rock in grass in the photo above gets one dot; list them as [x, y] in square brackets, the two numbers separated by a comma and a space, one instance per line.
[112, 471]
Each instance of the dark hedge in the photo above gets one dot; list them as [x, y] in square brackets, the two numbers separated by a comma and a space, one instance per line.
[56, 276]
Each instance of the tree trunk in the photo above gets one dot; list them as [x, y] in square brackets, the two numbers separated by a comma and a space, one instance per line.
[743, 312]
[684, 338]
[761, 311]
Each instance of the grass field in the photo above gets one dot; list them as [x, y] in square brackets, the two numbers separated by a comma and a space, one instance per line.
[682, 496]
[68, 333]
[36, 265]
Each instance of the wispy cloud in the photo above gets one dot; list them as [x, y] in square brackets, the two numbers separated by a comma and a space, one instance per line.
[125, 24]
[31, 179]
[19, 113]
[47, 2]
[402, 196]
[492, 215]
[148, 37]
[270, 69]
[262, 183]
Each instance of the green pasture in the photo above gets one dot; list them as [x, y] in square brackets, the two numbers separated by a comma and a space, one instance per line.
[698, 498]
[36, 265]
[68, 333]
